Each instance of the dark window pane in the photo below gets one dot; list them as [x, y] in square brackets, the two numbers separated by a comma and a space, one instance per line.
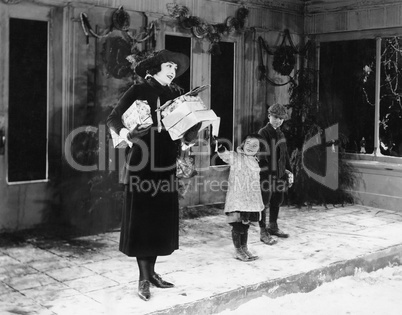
[222, 77]
[181, 45]
[27, 126]
[345, 96]
[390, 92]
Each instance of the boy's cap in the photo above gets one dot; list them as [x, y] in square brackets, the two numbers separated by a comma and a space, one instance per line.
[278, 110]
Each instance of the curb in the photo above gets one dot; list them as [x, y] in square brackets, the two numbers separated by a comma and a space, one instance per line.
[304, 282]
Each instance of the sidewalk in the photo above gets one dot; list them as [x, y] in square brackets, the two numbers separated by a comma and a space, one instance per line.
[88, 275]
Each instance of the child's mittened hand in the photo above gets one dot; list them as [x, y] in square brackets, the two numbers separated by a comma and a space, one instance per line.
[216, 146]
[290, 178]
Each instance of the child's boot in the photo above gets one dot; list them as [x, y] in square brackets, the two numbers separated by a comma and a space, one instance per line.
[239, 252]
[243, 240]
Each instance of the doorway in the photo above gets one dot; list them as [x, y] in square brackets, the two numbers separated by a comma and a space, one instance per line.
[26, 108]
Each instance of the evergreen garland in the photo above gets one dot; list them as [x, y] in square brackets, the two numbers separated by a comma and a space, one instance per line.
[201, 29]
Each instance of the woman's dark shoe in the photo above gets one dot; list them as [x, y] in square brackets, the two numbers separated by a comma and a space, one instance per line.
[158, 282]
[143, 290]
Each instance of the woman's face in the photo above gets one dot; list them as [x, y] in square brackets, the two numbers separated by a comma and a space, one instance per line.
[167, 73]
[275, 121]
[251, 146]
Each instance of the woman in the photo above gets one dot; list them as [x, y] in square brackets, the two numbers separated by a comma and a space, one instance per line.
[150, 222]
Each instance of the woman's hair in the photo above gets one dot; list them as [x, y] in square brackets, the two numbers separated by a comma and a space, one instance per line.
[254, 136]
[154, 69]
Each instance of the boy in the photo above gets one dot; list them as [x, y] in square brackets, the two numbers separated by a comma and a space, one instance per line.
[275, 172]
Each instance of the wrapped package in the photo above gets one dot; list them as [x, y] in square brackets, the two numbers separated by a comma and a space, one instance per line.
[138, 114]
[185, 112]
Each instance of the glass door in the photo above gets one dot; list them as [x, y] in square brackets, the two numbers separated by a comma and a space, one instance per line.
[27, 99]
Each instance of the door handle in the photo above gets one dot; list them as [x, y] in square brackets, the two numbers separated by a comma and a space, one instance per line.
[2, 135]
[2, 142]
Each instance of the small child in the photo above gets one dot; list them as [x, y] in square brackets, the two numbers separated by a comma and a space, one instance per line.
[243, 203]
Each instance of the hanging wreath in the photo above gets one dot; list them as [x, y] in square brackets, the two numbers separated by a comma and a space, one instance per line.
[261, 67]
[284, 60]
[114, 54]
[119, 53]
[121, 19]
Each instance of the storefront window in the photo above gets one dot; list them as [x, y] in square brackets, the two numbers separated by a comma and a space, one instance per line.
[390, 99]
[347, 93]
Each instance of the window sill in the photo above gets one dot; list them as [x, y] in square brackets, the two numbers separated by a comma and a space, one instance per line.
[370, 161]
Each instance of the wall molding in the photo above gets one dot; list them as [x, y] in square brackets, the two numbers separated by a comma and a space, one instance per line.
[319, 6]
[358, 17]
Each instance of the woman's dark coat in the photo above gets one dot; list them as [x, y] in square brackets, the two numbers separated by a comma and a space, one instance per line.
[150, 221]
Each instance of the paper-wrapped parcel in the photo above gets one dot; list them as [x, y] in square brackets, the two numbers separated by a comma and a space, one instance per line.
[185, 112]
[139, 113]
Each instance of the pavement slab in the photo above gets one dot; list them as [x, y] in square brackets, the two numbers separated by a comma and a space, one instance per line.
[70, 273]
[88, 275]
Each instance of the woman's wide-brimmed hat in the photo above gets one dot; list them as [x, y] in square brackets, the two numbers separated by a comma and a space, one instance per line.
[160, 57]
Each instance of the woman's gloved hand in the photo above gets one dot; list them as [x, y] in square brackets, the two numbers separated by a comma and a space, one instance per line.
[138, 132]
[191, 134]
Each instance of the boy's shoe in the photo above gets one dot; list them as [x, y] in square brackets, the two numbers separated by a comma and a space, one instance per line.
[241, 255]
[266, 238]
[274, 230]
[248, 253]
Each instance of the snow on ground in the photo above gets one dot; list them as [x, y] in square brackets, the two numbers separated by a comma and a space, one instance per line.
[379, 292]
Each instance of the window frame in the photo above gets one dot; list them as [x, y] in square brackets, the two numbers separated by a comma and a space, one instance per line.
[37, 14]
[203, 61]
[377, 35]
